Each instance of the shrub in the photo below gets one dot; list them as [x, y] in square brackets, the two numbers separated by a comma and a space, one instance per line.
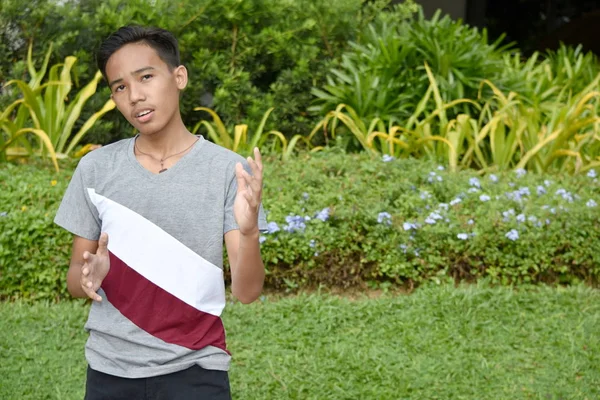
[244, 56]
[384, 76]
[351, 220]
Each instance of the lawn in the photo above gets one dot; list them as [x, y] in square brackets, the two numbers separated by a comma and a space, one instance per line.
[474, 342]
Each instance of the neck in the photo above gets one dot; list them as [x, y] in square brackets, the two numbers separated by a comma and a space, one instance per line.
[168, 141]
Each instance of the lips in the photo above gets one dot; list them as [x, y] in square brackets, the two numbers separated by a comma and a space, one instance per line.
[143, 115]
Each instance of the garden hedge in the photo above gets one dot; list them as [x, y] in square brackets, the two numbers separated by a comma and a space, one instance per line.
[344, 220]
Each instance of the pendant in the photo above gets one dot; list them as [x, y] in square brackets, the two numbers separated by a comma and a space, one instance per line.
[162, 170]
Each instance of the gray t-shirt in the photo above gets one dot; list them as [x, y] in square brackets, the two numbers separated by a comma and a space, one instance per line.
[164, 293]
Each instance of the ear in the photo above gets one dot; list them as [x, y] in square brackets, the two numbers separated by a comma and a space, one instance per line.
[181, 77]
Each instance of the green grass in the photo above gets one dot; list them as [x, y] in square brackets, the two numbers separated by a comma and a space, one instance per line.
[473, 342]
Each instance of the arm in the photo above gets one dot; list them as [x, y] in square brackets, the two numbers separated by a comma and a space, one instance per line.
[247, 268]
[88, 267]
[243, 248]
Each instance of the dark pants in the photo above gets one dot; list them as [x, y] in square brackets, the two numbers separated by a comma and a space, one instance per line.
[194, 383]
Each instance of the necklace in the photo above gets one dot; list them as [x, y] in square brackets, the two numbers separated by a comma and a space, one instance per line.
[162, 160]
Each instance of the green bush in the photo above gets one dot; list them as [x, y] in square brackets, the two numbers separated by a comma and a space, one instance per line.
[243, 56]
[439, 226]
[384, 76]
[34, 254]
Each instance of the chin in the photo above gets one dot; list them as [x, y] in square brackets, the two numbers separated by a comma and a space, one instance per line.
[148, 131]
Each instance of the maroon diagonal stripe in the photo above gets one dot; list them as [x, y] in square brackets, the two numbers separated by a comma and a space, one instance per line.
[158, 312]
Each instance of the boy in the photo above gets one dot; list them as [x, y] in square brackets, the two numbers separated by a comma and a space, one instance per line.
[150, 215]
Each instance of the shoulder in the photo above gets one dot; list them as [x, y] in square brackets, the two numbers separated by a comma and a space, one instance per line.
[105, 155]
[221, 158]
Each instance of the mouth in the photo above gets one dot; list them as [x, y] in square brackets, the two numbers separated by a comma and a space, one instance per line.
[144, 115]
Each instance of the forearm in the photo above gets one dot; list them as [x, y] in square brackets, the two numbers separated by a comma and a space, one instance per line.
[248, 275]
[74, 282]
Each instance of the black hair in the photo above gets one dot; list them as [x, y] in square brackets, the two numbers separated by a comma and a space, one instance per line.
[161, 40]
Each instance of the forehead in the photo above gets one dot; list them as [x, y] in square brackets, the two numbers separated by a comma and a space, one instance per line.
[130, 58]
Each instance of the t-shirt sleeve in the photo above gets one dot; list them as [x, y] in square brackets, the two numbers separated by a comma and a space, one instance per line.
[76, 212]
[229, 222]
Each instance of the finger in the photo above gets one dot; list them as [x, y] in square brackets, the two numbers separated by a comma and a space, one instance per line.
[254, 184]
[239, 174]
[251, 200]
[256, 172]
[92, 294]
[103, 243]
[258, 158]
[86, 255]
[85, 270]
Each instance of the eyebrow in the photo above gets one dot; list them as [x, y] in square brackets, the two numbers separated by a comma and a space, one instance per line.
[136, 72]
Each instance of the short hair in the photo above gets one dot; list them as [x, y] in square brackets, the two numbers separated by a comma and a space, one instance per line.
[161, 40]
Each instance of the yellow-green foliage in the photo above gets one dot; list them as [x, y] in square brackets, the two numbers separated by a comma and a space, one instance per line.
[500, 133]
[45, 111]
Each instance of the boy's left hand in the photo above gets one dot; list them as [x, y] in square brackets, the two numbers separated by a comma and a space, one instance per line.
[249, 194]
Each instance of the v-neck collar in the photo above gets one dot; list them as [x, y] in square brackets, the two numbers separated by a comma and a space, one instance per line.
[170, 172]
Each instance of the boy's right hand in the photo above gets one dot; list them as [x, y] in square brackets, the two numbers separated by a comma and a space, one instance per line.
[95, 268]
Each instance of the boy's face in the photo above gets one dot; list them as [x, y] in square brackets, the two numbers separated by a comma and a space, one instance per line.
[143, 88]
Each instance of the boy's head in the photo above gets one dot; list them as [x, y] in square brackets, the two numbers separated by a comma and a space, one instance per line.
[143, 70]
[162, 41]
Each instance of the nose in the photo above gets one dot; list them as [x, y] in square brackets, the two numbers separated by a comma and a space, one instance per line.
[136, 94]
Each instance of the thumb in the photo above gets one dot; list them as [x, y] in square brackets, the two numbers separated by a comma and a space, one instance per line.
[103, 243]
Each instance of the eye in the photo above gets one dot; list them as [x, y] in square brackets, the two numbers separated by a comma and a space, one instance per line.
[120, 88]
[146, 77]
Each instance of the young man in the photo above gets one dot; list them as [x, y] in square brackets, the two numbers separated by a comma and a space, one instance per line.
[150, 215]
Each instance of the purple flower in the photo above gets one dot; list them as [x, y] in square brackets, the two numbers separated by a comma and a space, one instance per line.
[591, 203]
[513, 235]
[484, 197]
[388, 158]
[295, 223]
[521, 217]
[272, 227]
[541, 190]
[565, 195]
[520, 172]
[507, 214]
[591, 173]
[323, 215]
[403, 247]
[312, 243]
[432, 218]
[408, 226]
[462, 236]
[493, 178]
[470, 222]
[440, 168]
[474, 182]
[455, 201]
[262, 239]
[305, 196]
[3, 214]
[443, 206]
[425, 195]
[384, 218]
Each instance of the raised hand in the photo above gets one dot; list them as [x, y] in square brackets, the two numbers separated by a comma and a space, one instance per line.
[249, 194]
[95, 268]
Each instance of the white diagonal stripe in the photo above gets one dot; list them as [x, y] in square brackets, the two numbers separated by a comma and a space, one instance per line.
[160, 258]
